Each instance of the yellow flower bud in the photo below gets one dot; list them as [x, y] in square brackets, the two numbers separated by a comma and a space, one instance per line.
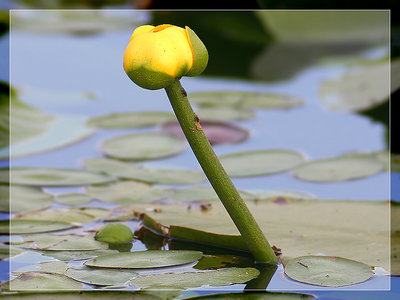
[156, 56]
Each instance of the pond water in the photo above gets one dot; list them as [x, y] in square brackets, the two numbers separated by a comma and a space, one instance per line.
[81, 77]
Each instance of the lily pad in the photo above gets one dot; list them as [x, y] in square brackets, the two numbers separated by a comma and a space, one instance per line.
[101, 276]
[72, 255]
[240, 99]
[127, 170]
[145, 259]
[260, 162]
[143, 146]
[327, 270]
[202, 193]
[32, 226]
[219, 277]
[360, 88]
[347, 167]
[306, 227]
[73, 199]
[17, 199]
[43, 281]
[59, 215]
[63, 243]
[86, 295]
[217, 133]
[124, 192]
[258, 296]
[130, 120]
[36, 176]
[224, 114]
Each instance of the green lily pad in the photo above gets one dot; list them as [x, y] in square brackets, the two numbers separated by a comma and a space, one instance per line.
[347, 167]
[72, 199]
[219, 277]
[17, 199]
[127, 170]
[258, 296]
[32, 226]
[143, 146]
[202, 193]
[72, 255]
[101, 276]
[59, 215]
[36, 176]
[306, 227]
[145, 259]
[360, 88]
[327, 270]
[43, 281]
[260, 162]
[86, 295]
[63, 243]
[131, 120]
[240, 99]
[54, 267]
[224, 114]
[124, 192]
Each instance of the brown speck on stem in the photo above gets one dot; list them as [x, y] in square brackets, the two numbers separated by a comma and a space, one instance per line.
[198, 126]
[184, 92]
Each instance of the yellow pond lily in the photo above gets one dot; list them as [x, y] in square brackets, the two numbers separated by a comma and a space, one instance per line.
[157, 56]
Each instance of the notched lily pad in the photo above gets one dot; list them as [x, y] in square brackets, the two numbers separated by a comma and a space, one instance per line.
[143, 146]
[346, 167]
[36, 176]
[217, 133]
[260, 162]
[145, 259]
[327, 270]
[128, 170]
[240, 99]
[219, 277]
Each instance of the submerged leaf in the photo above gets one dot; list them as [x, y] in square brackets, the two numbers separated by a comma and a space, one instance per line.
[327, 270]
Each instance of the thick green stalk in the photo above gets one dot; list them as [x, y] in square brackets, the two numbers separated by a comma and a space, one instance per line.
[219, 179]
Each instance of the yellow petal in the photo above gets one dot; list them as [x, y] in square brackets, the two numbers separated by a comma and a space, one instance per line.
[140, 30]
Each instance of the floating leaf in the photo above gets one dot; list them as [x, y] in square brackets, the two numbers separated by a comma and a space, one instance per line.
[327, 270]
[72, 255]
[360, 88]
[126, 192]
[184, 280]
[306, 227]
[43, 281]
[63, 131]
[51, 176]
[240, 99]
[133, 171]
[54, 267]
[115, 233]
[73, 199]
[60, 215]
[63, 243]
[202, 193]
[32, 226]
[143, 146]
[87, 295]
[145, 259]
[100, 276]
[130, 119]
[347, 167]
[258, 296]
[260, 162]
[217, 133]
[7, 252]
[22, 199]
[224, 114]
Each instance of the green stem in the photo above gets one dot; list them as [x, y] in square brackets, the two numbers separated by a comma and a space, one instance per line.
[219, 179]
